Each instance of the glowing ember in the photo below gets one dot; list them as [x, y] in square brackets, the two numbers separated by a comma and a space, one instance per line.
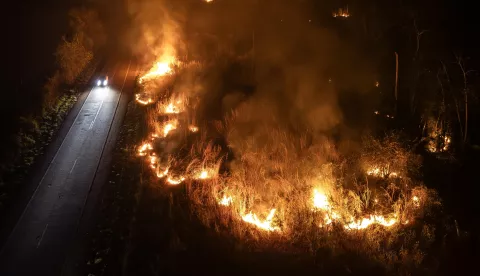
[193, 128]
[382, 172]
[446, 141]
[175, 180]
[205, 174]
[144, 148]
[142, 101]
[225, 201]
[262, 224]
[416, 201]
[153, 161]
[366, 222]
[438, 143]
[342, 13]
[163, 173]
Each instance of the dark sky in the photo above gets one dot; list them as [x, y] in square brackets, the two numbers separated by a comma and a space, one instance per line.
[33, 29]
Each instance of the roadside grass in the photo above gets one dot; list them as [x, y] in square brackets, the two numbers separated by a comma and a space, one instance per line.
[31, 141]
[36, 131]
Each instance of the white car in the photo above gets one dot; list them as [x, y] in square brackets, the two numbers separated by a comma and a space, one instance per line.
[102, 81]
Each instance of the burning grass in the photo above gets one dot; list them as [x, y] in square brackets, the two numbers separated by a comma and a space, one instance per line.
[291, 188]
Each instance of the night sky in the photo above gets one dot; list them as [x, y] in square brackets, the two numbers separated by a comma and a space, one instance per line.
[34, 28]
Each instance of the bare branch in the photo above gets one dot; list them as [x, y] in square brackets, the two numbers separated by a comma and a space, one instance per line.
[419, 36]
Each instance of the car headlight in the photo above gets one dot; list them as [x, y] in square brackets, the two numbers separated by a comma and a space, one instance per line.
[99, 82]
[105, 82]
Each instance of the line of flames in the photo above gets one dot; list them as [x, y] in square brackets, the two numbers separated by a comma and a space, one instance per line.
[319, 200]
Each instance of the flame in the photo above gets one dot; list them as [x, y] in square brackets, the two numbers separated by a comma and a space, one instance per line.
[193, 128]
[153, 161]
[366, 222]
[262, 224]
[446, 141]
[143, 148]
[171, 107]
[433, 147]
[205, 174]
[169, 126]
[226, 200]
[141, 101]
[320, 200]
[160, 68]
[163, 173]
[329, 211]
[175, 180]
[382, 172]
[416, 201]
[341, 13]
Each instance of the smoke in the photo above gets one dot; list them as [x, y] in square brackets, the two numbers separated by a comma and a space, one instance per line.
[302, 70]
[156, 30]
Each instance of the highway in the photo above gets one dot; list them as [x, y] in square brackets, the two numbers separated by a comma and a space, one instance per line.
[43, 235]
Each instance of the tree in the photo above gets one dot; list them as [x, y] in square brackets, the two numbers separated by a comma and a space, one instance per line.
[72, 58]
[87, 24]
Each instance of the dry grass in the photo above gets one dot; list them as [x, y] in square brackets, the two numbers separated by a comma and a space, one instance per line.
[294, 191]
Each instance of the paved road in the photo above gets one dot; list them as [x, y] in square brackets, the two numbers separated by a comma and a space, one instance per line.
[44, 233]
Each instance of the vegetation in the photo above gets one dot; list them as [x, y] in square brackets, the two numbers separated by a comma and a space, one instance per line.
[36, 126]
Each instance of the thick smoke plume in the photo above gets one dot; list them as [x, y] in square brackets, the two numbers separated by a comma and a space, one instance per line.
[156, 30]
[297, 70]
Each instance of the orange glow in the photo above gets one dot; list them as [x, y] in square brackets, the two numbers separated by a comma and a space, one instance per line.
[169, 126]
[193, 128]
[331, 202]
[262, 224]
[142, 150]
[160, 68]
[320, 200]
[143, 101]
[366, 222]
[225, 201]
[382, 172]
[175, 180]
[204, 174]
[163, 173]
[153, 161]
[341, 13]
